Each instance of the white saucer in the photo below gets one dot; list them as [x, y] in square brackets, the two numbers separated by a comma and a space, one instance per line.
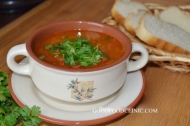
[24, 91]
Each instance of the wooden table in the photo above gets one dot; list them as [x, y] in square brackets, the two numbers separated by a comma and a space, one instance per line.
[168, 92]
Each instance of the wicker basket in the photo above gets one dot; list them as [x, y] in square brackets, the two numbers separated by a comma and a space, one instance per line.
[172, 61]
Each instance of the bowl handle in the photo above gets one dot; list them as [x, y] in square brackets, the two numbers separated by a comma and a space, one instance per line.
[13, 65]
[142, 61]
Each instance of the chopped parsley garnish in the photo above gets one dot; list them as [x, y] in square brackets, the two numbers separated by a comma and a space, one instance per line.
[41, 57]
[77, 52]
[107, 38]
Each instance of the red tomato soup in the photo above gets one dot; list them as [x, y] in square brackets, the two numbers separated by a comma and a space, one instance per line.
[109, 46]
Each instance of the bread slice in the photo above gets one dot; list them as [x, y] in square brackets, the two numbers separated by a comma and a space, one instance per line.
[132, 21]
[125, 1]
[121, 10]
[176, 16]
[163, 35]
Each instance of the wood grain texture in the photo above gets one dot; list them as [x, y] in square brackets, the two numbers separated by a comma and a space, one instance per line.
[166, 91]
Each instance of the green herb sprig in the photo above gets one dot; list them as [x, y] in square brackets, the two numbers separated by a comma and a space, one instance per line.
[10, 113]
[77, 52]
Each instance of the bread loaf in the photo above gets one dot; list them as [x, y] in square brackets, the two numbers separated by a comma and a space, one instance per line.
[176, 16]
[163, 35]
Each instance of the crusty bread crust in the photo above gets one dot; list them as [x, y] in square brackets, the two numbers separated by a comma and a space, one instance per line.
[127, 22]
[120, 19]
[128, 25]
[151, 40]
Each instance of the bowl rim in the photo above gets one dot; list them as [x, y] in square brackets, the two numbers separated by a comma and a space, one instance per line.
[117, 35]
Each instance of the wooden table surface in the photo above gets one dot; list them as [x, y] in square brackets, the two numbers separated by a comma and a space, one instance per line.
[166, 91]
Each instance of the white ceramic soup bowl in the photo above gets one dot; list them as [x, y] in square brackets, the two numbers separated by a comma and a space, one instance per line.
[77, 86]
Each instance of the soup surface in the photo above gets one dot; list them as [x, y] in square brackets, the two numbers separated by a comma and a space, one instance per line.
[106, 48]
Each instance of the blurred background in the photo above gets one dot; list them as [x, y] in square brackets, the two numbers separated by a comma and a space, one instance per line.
[12, 9]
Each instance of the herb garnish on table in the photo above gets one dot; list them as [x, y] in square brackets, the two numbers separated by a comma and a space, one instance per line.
[10, 113]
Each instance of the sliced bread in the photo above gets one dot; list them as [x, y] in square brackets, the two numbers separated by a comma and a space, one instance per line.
[163, 35]
[121, 10]
[125, 1]
[176, 16]
[132, 21]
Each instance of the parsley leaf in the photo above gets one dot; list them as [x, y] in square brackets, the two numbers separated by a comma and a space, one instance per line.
[10, 113]
[41, 57]
[3, 78]
[78, 51]
[107, 38]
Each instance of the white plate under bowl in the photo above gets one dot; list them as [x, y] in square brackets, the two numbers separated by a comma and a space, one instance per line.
[24, 92]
